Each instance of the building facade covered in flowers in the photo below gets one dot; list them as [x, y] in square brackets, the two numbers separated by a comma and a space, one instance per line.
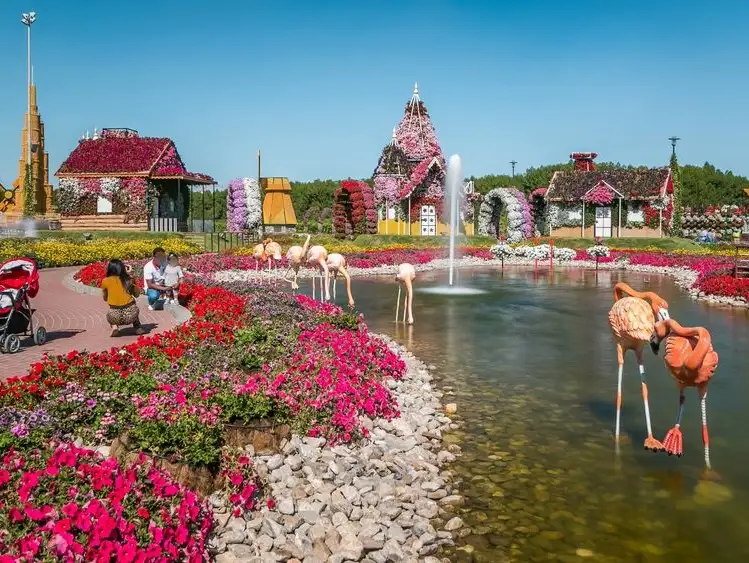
[120, 180]
[626, 202]
[409, 178]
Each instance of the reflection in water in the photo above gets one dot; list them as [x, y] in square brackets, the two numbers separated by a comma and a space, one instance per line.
[532, 366]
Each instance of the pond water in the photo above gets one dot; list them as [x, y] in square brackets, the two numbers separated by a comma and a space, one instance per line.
[532, 367]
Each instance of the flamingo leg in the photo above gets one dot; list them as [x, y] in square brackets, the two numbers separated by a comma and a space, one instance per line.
[650, 442]
[620, 353]
[398, 303]
[674, 440]
[405, 307]
[257, 267]
[335, 279]
[702, 391]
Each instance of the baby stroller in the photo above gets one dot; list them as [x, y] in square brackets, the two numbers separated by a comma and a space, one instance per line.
[19, 281]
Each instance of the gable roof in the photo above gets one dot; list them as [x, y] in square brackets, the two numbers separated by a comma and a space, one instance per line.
[128, 156]
[633, 184]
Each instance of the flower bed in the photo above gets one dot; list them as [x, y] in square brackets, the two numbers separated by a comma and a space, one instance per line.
[244, 356]
[52, 253]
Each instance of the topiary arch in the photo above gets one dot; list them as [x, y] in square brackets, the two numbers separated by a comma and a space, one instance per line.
[354, 210]
[519, 219]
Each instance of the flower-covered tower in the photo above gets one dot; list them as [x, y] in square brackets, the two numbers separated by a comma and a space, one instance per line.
[413, 164]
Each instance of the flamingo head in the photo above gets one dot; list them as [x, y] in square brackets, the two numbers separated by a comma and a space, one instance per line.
[660, 308]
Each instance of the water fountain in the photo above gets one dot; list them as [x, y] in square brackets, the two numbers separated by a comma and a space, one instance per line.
[453, 188]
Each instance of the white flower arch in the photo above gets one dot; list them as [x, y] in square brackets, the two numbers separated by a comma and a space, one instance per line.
[490, 208]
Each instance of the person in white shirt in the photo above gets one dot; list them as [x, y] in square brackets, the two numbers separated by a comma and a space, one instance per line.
[153, 277]
[173, 277]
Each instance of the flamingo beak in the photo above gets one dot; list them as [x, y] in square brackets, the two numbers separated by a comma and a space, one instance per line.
[663, 314]
[655, 343]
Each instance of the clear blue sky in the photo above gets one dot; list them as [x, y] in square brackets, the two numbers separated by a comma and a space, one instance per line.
[320, 85]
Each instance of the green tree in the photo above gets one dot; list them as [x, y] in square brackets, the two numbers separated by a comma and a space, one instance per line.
[677, 213]
[29, 205]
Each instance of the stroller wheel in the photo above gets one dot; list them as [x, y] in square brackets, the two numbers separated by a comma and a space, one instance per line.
[40, 336]
[11, 344]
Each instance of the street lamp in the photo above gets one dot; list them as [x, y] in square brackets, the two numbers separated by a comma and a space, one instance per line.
[513, 163]
[27, 19]
[673, 143]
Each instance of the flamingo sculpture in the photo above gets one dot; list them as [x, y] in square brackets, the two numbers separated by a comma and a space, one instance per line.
[258, 253]
[296, 256]
[273, 253]
[317, 258]
[405, 276]
[692, 362]
[337, 264]
[632, 321]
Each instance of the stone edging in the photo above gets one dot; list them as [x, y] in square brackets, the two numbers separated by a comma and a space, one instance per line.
[684, 277]
[385, 498]
[180, 313]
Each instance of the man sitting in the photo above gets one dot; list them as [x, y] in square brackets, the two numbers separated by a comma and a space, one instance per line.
[153, 277]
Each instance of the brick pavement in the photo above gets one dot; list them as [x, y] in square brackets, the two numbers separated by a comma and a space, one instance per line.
[74, 321]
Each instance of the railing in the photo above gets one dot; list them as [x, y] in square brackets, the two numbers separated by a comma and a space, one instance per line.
[163, 224]
[216, 242]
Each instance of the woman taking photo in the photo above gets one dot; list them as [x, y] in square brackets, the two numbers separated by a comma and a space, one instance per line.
[120, 292]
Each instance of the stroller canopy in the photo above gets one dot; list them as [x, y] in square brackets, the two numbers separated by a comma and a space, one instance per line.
[17, 272]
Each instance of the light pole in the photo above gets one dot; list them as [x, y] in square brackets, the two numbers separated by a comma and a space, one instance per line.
[673, 144]
[27, 19]
[513, 163]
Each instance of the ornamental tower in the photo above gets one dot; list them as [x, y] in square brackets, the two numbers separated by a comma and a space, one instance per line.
[41, 189]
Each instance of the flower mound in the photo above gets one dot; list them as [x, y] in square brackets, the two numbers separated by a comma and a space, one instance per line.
[71, 504]
[598, 251]
[354, 210]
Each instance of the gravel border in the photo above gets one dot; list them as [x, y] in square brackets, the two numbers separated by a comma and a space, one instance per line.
[383, 499]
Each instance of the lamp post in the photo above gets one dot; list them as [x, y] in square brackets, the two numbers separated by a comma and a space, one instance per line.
[673, 143]
[513, 163]
[27, 19]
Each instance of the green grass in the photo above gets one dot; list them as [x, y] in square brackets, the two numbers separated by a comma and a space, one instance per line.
[623, 243]
[121, 235]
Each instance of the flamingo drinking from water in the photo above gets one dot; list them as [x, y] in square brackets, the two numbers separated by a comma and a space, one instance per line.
[296, 256]
[405, 276]
[336, 265]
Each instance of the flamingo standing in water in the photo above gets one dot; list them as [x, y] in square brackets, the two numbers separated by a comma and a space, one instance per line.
[405, 276]
[296, 256]
[317, 259]
[337, 264]
[692, 362]
[273, 253]
[632, 321]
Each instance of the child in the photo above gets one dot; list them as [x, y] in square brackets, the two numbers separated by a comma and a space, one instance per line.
[173, 278]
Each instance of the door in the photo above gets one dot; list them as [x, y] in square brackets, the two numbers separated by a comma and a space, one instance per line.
[428, 221]
[603, 222]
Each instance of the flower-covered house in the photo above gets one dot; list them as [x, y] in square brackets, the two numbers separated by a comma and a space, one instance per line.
[624, 202]
[121, 181]
[410, 176]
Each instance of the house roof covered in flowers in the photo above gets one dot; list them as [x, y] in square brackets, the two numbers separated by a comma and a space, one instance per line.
[633, 184]
[122, 152]
[393, 161]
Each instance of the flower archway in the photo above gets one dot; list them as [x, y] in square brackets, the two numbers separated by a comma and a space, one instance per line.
[354, 210]
[519, 218]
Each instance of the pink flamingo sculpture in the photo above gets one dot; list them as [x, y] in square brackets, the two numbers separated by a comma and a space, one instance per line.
[273, 253]
[632, 321]
[405, 276]
[296, 256]
[258, 253]
[337, 264]
[692, 362]
[317, 259]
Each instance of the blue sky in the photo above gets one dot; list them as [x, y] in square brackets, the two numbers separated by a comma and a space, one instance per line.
[318, 86]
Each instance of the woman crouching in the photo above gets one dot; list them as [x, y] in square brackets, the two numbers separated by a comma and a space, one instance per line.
[120, 292]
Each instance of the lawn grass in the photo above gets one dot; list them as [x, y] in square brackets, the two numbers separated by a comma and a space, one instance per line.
[75, 236]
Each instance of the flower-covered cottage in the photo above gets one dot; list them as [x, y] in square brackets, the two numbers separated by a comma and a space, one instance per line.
[119, 180]
[410, 176]
[625, 202]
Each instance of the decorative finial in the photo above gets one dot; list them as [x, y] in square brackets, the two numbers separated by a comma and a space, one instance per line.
[416, 88]
[87, 137]
[96, 134]
[393, 133]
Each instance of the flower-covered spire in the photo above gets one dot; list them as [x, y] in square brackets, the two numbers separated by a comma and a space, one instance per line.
[415, 132]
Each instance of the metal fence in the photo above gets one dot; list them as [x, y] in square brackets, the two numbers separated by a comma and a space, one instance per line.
[217, 242]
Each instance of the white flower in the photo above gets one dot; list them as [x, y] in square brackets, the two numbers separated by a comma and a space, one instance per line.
[564, 254]
[502, 249]
[598, 251]
[254, 205]
[109, 186]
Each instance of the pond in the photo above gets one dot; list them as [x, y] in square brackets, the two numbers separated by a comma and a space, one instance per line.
[532, 367]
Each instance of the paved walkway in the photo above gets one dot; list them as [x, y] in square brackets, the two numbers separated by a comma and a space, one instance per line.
[74, 321]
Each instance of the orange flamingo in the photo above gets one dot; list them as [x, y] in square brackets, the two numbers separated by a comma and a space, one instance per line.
[692, 362]
[632, 321]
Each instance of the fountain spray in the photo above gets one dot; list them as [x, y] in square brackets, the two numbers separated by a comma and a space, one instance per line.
[453, 183]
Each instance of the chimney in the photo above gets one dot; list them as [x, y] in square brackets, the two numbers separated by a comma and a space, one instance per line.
[584, 161]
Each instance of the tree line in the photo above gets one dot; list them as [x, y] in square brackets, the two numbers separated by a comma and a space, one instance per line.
[702, 186]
